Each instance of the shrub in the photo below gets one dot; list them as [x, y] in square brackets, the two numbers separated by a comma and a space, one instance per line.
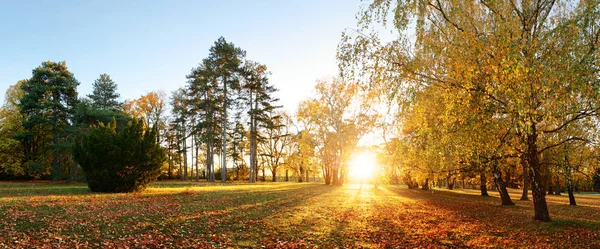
[123, 160]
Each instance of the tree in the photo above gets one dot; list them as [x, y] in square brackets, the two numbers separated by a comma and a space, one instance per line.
[226, 59]
[257, 94]
[104, 95]
[48, 104]
[534, 61]
[180, 125]
[11, 124]
[119, 161]
[277, 140]
[341, 119]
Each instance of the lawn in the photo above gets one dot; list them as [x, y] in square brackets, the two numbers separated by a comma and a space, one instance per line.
[284, 215]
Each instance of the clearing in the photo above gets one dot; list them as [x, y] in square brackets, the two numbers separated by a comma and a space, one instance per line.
[284, 215]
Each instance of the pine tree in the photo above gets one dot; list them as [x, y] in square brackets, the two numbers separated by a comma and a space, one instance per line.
[258, 95]
[48, 105]
[104, 95]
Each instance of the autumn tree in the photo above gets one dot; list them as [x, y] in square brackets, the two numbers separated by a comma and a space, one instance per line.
[340, 120]
[11, 124]
[534, 61]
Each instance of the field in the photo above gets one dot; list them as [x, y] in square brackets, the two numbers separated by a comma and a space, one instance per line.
[284, 215]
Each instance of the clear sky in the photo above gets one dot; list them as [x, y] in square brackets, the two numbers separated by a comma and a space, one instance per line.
[149, 45]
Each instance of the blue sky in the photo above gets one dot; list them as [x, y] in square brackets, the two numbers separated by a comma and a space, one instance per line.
[151, 45]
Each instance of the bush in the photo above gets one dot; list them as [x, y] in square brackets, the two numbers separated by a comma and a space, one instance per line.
[124, 160]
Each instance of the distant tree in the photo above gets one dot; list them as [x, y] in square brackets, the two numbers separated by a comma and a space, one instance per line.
[180, 125]
[257, 94]
[104, 95]
[11, 124]
[596, 180]
[48, 104]
[119, 160]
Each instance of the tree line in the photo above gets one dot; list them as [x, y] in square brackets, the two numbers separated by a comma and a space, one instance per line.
[224, 123]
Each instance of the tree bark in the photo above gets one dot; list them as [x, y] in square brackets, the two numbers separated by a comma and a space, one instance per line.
[224, 134]
[55, 156]
[557, 185]
[533, 160]
[307, 179]
[185, 162]
[524, 196]
[287, 177]
[426, 185]
[570, 190]
[483, 184]
[197, 153]
[501, 186]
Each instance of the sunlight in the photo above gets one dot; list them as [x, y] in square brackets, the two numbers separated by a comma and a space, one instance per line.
[362, 166]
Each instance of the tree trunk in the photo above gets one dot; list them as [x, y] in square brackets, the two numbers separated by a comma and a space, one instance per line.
[570, 190]
[170, 163]
[335, 173]
[450, 181]
[55, 157]
[426, 185]
[533, 160]
[501, 186]
[525, 179]
[224, 134]
[185, 162]
[557, 185]
[551, 188]
[192, 156]
[301, 176]
[307, 179]
[287, 178]
[483, 184]
[274, 174]
[197, 153]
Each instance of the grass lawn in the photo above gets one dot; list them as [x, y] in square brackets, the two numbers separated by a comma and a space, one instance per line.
[285, 215]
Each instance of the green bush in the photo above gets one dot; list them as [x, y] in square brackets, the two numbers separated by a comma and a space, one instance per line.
[123, 160]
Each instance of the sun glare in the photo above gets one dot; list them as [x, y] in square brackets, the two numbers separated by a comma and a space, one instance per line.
[363, 165]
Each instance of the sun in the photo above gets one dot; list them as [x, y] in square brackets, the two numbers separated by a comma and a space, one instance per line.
[363, 165]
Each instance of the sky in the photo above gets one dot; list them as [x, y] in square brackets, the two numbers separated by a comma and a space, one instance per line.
[152, 45]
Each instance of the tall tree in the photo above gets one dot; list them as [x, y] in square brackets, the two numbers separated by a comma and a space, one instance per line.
[105, 96]
[48, 103]
[258, 95]
[226, 59]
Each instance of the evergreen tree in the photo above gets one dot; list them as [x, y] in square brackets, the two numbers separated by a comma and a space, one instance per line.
[258, 95]
[227, 60]
[123, 160]
[104, 95]
[48, 105]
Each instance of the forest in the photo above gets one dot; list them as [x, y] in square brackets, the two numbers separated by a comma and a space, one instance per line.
[448, 124]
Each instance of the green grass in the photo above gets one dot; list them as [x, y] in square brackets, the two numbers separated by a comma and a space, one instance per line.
[284, 215]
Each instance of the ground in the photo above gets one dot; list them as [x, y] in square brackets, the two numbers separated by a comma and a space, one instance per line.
[285, 215]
